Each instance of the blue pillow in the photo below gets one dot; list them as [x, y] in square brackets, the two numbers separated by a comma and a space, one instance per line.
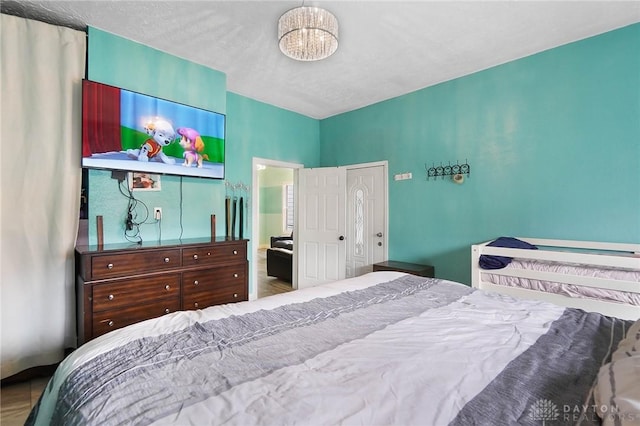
[499, 262]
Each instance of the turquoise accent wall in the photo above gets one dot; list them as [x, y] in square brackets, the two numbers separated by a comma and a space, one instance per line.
[123, 63]
[254, 129]
[553, 141]
[264, 131]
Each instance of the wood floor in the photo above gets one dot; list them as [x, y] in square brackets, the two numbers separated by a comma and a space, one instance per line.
[268, 286]
[17, 400]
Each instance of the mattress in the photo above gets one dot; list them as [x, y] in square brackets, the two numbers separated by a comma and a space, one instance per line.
[381, 349]
[569, 290]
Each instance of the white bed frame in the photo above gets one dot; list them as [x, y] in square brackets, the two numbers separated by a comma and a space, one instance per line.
[617, 255]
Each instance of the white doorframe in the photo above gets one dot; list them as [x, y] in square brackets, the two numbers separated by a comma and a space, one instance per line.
[255, 216]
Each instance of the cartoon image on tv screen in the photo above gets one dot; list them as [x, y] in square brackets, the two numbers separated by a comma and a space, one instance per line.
[161, 134]
[130, 131]
[193, 147]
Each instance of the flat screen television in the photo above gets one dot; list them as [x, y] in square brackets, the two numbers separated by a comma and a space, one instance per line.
[125, 130]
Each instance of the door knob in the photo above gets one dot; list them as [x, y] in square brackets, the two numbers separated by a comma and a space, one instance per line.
[379, 234]
[379, 244]
[341, 237]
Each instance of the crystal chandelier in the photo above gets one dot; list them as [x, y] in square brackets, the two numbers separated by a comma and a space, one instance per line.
[308, 33]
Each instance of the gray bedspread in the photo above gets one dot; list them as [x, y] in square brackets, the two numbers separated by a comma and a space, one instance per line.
[161, 379]
[552, 380]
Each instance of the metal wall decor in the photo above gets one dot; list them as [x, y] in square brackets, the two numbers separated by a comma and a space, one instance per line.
[236, 204]
[450, 170]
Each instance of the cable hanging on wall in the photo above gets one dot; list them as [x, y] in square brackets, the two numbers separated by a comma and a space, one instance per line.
[449, 170]
[132, 222]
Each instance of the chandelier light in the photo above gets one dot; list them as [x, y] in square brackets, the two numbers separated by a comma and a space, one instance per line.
[308, 33]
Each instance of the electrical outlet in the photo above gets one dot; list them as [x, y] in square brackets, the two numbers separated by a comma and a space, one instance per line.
[157, 213]
[403, 176]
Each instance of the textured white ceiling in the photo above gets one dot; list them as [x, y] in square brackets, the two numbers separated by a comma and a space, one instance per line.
[386, 49]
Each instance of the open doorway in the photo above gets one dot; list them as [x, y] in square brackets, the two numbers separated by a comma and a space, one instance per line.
[272, 227]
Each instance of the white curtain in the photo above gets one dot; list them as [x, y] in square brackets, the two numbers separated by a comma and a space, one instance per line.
[42, 69]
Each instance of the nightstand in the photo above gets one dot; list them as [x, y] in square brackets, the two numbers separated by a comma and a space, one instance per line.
[409, 268]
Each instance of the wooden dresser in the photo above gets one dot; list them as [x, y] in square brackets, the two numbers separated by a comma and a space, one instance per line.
[121, 284]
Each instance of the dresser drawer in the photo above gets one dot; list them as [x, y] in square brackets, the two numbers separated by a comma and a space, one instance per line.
[213, 278]
[223, 293]
[135, 291]
[214, 286]
[116, 265]
[105, 321]
[208, 255]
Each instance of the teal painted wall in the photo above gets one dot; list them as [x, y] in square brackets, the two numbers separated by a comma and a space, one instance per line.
[553, 141]
[123, 63]
[254, 129]
[264, 131]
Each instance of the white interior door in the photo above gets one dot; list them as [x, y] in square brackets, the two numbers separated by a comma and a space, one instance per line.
[366, 241]
[320, 230]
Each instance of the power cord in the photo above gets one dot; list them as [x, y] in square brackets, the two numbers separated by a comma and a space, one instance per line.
[132, 224]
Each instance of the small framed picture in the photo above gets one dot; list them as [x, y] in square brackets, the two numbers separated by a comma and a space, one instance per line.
[144, 182]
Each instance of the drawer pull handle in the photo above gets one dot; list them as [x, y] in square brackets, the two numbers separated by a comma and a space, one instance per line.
[195, 257]
[196, 282]
[166, 311]
[235, 295]
[209, 253]
[110, 266]
[235, 275]
[195, 305]
[167, 287]
[235, 252]
[110, 323]
[111, 297]
[166, 260]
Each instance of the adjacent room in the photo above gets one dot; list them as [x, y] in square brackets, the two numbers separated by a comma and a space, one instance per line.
[274, 212]
[275, 226]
